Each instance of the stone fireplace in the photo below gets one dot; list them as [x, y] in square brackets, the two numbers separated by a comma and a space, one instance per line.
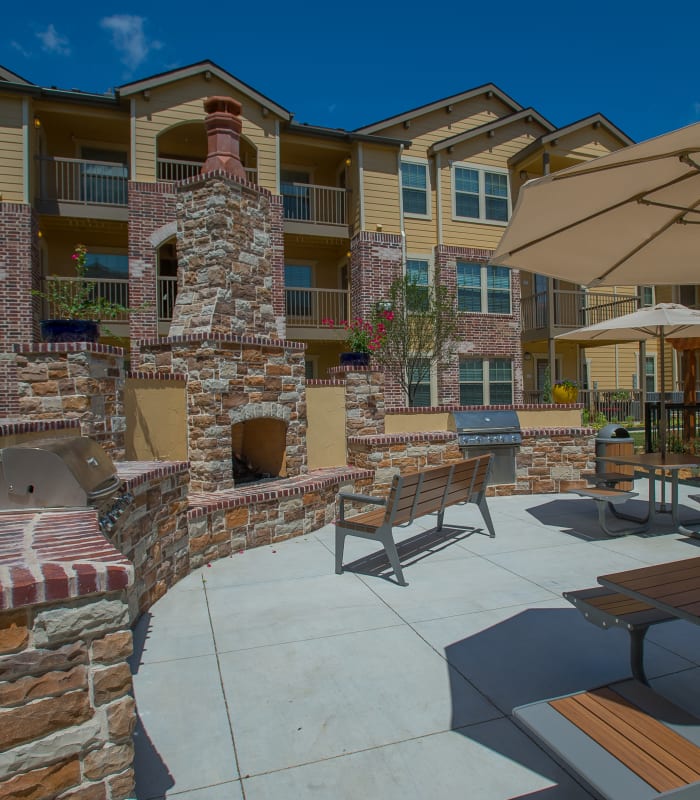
[246, 386]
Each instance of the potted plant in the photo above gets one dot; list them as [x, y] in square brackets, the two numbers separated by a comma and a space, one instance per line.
[565, 391]
[76, 306]
[363, 338]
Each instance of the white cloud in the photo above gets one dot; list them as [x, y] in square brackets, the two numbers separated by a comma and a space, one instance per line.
[53, 42]
[18, 47]
[129, 38]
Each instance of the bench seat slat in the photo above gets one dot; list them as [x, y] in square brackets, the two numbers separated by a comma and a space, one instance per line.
[657, 754]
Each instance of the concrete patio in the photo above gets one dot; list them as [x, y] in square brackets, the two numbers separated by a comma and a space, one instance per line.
[265, 676]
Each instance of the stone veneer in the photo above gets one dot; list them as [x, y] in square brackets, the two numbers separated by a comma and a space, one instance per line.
[233, 379]
[226, 264]
[66, 714]
[74, 381]
[364, 399]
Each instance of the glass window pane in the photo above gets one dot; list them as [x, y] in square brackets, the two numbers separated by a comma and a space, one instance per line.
[469, 300]
[501, 394]
[415, 202]
[107, 265]
[499, 302]
[471, 394]
[420, 373]
[498, 277]
[496, 183]
[500, 369]
[468, 274]
[466, 180]
[417, 271]
[496, 209]
[414, 175]
[471, 369]
[467, 205]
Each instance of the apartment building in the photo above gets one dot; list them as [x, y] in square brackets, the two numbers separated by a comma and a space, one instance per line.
[425, 192]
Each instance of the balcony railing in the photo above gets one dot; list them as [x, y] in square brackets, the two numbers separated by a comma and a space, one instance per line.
[175, 169]
[167, 292]
[320, 205]
[114, 290]
[75, 180]
[574, 308]
[307, 308]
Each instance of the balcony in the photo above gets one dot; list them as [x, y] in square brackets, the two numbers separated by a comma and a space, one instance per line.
[307, 308]
[79, 188]
[171, 170]
[114, 290]
[319, 210]
[573, 308]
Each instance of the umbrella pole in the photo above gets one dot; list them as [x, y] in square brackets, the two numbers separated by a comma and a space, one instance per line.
[662, 404]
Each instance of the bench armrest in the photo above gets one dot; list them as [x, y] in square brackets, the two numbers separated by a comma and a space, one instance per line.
[358, 498]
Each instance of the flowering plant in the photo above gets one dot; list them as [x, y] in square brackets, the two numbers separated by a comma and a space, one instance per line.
[566, 383]
[363, 336]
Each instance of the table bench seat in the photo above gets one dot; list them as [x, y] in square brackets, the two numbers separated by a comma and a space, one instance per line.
[605, 499]
[624, 741]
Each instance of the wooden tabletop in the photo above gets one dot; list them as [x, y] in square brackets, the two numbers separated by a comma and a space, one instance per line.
[672, 587]
[654, 460]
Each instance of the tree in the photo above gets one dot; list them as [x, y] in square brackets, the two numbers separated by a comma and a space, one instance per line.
[420, 330]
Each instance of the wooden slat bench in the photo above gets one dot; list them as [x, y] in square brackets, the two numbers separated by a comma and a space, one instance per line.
[427, 491]
[624, 741]
[606, 499]
[608, 609]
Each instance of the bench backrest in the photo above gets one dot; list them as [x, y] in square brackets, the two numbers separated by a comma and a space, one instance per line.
[431, 490]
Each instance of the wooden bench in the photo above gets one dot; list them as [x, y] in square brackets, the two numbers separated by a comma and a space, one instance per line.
[608, 609]
[428, 491]
[624, 741]
[606, 499]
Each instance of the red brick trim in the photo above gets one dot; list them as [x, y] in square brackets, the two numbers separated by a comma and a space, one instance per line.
[138, 375]
[403, 438]
[68, 347]
[14, 428]
[324, 382]
[134, 473]
[225, 338]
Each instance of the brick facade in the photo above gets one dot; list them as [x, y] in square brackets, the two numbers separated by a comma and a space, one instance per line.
[482, 335]
[19, 310]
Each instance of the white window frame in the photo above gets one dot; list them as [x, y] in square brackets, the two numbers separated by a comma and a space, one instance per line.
[428, 189]
[485, 371]
[485, 290]
[482, 169]
[651, 289]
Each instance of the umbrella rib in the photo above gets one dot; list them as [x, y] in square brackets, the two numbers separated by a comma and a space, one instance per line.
[683, 155]
[633, 198]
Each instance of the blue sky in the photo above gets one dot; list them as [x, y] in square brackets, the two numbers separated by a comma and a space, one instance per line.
[348, 64]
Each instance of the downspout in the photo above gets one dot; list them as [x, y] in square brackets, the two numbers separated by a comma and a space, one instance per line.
[361, 183]
[403, 231]
[277, 158]
[438, 194]
[25, 147]
[132, 154]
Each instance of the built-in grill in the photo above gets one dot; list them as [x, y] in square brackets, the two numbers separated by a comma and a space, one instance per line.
[490, 431]
[66, 472]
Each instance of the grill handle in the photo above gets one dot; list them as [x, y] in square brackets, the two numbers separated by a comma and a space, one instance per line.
[110, 488]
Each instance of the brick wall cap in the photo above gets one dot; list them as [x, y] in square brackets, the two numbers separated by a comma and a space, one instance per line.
[68, 347]
[219, 338]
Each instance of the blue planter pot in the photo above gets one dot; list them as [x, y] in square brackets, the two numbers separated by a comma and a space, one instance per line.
[70, 330]
[354, 359]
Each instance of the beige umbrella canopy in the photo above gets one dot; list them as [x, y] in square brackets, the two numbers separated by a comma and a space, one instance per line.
[629, 218]
[664, 321]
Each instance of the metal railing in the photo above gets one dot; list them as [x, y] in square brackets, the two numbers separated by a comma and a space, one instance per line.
[76, 180]
[574, 308]
[616, 405]
[175, 169]
[306, 202]
[113, 290]
[682, 427]
[308, 308]
[167, 292]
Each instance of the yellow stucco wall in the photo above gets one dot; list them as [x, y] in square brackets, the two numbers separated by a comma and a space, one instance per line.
[156, 421]
[551, 417]
[182, 101]
[325, 437]
[11, 150]
[416, 423]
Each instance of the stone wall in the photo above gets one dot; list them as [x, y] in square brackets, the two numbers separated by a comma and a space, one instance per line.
[66, 715]
[76, 380]
[364, 400]
[553, 460]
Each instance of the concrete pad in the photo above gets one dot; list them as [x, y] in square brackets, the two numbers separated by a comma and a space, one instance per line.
[185, 740]
[445, 588]
[222, 791]
[294, 610]
[325, 697]
[523, 654]
[491, 761]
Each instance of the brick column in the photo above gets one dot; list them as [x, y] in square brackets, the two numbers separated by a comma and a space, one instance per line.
[151, 207]
[19, 310]
[279, 303]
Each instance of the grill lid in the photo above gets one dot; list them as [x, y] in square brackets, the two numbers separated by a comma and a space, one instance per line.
[485, 421]
[56, 473]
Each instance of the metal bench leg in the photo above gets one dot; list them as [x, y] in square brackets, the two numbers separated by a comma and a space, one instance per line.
[637, 653]
[485, 513]
[393, 555]
[339, 548]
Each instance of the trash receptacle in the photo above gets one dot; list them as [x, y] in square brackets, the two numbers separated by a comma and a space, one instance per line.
[614, 440]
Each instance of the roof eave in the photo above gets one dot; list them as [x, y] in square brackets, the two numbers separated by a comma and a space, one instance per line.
[528, 114]
[348, 136]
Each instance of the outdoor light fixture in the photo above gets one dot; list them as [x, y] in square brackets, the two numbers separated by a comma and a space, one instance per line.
[527, 356]
[37, 122]
[348, 162]
[523, 174]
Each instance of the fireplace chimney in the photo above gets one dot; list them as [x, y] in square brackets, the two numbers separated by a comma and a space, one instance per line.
[223, 123]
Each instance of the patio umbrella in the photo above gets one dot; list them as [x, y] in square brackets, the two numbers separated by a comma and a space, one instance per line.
[662, 321]
[628, 218]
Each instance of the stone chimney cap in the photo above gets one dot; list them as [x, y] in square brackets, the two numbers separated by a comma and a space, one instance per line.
[218, 104]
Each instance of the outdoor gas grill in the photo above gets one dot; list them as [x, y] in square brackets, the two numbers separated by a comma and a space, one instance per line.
[490, 431]
[67, 472]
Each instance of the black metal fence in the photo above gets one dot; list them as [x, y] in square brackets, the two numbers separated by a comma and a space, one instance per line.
[678, 417]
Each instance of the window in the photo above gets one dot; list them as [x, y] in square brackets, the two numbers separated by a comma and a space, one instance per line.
[417, 273]
[107, 265]
[419, 380]
[414, 188]
[100, 182]
[647, 293]
[481, 194]
[486, 381]
[483, 289]
[296, 194]
[650, 373]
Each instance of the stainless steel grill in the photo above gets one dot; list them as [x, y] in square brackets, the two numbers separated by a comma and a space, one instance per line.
[68, 472]
[490, 431]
